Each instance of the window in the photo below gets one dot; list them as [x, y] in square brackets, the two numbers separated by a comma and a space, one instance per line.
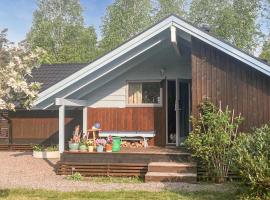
[148, 93]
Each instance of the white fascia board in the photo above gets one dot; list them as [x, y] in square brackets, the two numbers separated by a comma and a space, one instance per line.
[112, 68]
[70, 102]
[148, 34]
[226, 48]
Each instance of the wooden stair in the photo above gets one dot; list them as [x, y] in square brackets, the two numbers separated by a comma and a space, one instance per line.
[102, 169]
[171, 172]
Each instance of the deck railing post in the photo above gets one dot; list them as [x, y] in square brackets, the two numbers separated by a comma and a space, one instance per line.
[85, 119]
[61, 129]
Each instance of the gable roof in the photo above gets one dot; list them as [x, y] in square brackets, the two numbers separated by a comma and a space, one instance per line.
[143, 38]
[50, 74]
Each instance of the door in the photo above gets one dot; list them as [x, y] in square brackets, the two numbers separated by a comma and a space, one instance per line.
[171, 114]
[178, 111]
[183, 111]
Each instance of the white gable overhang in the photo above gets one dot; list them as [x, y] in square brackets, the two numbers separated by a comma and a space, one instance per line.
[135, 47]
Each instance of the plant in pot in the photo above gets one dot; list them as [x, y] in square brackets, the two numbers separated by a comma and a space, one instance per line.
[90, 145]
[83, 144]
[109, 143]
[83, 147]
[74, 142]
[40, 151]
[100, 144]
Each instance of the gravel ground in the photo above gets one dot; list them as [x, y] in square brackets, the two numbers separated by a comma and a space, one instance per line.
[21, 170]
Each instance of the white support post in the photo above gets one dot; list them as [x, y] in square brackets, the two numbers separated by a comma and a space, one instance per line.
[85, 109]
[61, 129]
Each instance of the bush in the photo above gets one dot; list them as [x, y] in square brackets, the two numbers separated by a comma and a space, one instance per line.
[213, 136]
[252, 158]
[75, 177]
[39, 147]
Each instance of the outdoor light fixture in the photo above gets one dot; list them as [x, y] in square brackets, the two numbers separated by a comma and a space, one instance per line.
[162, 72]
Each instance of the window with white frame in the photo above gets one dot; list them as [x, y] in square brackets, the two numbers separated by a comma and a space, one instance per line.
[144, 93]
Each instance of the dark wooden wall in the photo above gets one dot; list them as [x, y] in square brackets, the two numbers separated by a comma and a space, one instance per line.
[223, 78]
[41, 126]
[130, 119]
[4, 127]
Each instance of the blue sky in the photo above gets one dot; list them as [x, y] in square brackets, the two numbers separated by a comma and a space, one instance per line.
[16, 15]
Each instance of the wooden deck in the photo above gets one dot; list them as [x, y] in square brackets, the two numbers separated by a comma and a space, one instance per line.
[128, 155]
[127, 162]
[16, 147]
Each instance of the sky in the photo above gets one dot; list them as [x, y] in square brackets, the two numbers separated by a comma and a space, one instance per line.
[16, 15]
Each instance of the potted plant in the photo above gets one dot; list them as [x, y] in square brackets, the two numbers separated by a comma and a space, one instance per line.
[90, 145]
[45, 152]
[100, 144]
[74, 143]
[109, 143]
[83, 145]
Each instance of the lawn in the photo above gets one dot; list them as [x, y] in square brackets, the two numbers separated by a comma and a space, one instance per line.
[23, 194]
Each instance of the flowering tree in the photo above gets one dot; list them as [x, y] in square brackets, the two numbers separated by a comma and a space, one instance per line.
[16, 64]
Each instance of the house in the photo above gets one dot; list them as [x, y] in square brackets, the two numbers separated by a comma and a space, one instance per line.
[151, 83]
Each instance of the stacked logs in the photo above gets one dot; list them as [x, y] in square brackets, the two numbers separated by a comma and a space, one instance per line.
[133, 144]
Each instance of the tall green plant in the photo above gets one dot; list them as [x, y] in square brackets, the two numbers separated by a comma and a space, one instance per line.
[213, 136]
[252, 159]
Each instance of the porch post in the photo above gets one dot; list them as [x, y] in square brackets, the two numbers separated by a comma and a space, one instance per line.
[85, 119]
[61, 128]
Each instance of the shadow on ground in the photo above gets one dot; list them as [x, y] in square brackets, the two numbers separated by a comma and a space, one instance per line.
[48, 161]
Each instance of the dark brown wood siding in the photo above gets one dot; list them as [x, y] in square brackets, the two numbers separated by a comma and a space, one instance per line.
[41, 126]
[133, 119]
[4, 127]
[224, 79]
[130, 119]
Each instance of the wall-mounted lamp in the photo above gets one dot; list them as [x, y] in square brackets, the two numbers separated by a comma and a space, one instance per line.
[162, 72]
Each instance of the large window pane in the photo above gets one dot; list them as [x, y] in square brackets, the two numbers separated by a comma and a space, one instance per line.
[144, 93]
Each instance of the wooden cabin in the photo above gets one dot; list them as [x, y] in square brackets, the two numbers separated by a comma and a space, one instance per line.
[152, 83]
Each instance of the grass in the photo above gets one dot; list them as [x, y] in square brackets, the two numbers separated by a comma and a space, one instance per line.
[25, 194]
[111, 179]
[104, 179]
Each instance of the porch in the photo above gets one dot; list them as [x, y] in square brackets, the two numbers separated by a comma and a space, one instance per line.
[152, 164]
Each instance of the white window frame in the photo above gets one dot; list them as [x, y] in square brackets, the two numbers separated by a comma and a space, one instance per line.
[144, 104]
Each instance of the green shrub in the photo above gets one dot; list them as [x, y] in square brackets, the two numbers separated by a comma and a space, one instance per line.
[75, 177]
[52, 148]
[252, 158]
[37, 148]
[214, 133]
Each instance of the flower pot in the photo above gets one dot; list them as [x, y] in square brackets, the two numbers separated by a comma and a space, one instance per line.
[90, 148]
[83, 148]
[100, 148]
[46, 154]
[108, 148]
[73, 146]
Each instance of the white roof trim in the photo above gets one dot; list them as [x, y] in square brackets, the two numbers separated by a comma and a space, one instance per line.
[221, 45]
[104, 60]
[143, 37]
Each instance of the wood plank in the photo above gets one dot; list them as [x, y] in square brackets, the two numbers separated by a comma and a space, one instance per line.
[230, 81]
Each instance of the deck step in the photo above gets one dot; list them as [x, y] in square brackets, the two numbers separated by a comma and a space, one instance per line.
[170, 177]
[102, 169]
[173, 167]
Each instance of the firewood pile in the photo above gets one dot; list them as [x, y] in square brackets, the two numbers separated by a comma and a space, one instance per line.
[133, 144]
